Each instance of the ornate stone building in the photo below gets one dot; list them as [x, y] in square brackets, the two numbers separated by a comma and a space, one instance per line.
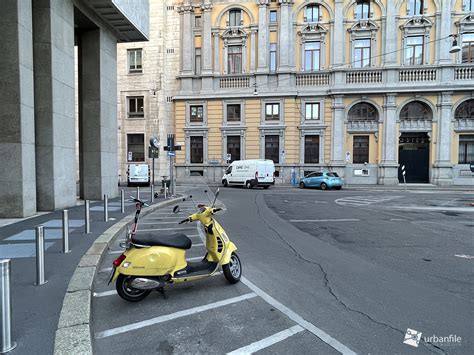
[147, 81]
[360, 87]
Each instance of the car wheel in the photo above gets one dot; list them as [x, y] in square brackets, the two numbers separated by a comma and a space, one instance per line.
[302, 185]
[225, 183]
[248, 185]
[324, 186]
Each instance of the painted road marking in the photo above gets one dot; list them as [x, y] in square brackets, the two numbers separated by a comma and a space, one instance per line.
[104, 294]
[180, 314]
[324, 220]
[363, 200]
[30, 234]
[269, 341]
[23, 250]
[116, 251]
[433, 208]
[464, 256]
[58, 223]
[298, 319]
[162, 229]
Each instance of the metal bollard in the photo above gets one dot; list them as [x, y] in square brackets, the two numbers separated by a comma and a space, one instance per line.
[87, 217]
[138, 192]
[40, 256]
[66, 232]
[152, 199]
[122, 201]
[165, 190]
[6, 327]
[106, 208]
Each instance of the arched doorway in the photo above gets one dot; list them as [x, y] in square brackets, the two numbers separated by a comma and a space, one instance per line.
[414, 142]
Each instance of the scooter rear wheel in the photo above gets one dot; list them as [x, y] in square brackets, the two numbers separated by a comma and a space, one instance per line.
[127, 292]
[233, 270]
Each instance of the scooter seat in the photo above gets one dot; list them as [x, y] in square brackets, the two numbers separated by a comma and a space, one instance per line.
[178, 240]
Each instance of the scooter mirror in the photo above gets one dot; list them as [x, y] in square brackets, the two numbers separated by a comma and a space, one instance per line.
[176, 210]
[217, 192]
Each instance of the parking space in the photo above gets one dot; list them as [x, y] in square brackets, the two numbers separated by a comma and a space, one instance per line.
[208, 316]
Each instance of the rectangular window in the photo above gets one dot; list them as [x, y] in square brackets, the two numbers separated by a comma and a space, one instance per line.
[361, 53]
[196, 114]
[273, 16]
[312, 111]
[361, 149]
[234, 18]
[414, 50]
[233, 113]
[234, 59]
[311, 149]
[135, 107]
[469, 5]
[312, 52]
[197, 150]
[233, 147]
[272, 112]
[362, 9]
[135, 147]
[272, 148]
[273, 57]
[468, 47]
[311, 13]
[415, 7]
[197, 61]
[197, 21]
[135, 61]
[466, 149]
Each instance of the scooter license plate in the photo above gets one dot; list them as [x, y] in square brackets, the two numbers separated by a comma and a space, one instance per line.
[111, 275]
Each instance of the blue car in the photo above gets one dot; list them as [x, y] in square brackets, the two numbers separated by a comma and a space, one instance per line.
[324, 180]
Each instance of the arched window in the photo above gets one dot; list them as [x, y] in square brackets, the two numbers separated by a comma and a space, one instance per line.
[416, 110]
[465, 111]
[363, 112]
[311, 13]
[362, 9]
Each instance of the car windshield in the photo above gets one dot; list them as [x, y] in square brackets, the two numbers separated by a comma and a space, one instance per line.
[310, 175]
[333, 175]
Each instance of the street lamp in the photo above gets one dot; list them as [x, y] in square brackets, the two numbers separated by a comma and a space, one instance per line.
[455, 48]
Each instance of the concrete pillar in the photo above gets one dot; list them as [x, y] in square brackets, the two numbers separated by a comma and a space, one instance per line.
[388, 173]
[338, 135]
[338, 37]
[262, 62]
[53, 46]
[17, 136]
[187, 54]
[217, 69]
[97, 114]
[206, 39]
[444, 57]
[442, 168]
[286, 31]
[391, 32]
[253, 49]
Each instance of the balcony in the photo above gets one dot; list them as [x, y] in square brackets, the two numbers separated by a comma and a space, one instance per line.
[234, 81]
[364, 77]
[417, 75]
[464, 73]
[313, 79]
[464, 124]
[415, 125]
[362, 126]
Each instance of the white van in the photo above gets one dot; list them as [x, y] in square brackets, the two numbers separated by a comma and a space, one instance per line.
[250, 173]
[138, 174]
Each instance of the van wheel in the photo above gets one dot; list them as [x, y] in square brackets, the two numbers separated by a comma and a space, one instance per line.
[225, 183]
[266, 187]
[248, 185]
[324, 186]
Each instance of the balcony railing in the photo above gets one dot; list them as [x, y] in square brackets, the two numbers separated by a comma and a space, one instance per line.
[415, 125]
[364, 77]
[362, 126]
[417, 75]
[464, 124]
[464, 73]
[234, 82]
[314, 79]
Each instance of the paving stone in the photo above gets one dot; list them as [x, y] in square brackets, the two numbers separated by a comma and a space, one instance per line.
[73, 340]
[89, 260]
[82, 279]
[76, 309]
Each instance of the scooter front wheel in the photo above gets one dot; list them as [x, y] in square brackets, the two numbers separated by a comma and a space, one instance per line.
[233, 270]
[127, 292]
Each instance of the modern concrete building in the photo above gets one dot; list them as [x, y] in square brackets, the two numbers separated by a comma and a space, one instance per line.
[37, 92]
[359, 87]
[147, 82]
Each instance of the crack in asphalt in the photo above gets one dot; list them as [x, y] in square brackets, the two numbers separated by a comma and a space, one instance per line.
[329, 288]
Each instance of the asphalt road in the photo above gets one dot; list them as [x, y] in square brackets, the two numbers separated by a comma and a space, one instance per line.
[324, 272]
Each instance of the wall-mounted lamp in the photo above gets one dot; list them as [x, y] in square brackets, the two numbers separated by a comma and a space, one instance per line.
[255, 92]
[455, 48]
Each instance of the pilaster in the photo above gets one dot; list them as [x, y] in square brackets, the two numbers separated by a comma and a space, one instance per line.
[442, 167]
[390, 59]
[338, 40]
[286, 31]
[206, 39]
[262, 65]
[444, 57]
[388, 173]
[187, 53]
[338, 139]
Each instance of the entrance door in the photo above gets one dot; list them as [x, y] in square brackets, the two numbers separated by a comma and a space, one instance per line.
[414, 153]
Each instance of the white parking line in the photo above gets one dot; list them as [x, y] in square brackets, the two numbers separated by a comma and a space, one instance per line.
[180, 314]
[162, 229]
[325, 220]
[269, 341]
[298, 319]
[116, 252]
[103, 294]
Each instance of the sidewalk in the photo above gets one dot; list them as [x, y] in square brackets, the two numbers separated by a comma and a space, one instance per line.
[36, 309]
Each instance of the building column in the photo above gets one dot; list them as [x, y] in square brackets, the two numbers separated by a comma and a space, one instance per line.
[286, 26]
[443, 167]
[187, 46]
[253, 48]
[206, 39]
[388, 172]
[390, 59]
[262, 63]
[17, 135]
[217, 68]
[53, 49]
[98, 114]
[338, 37]
[338, 135]
[444, 57]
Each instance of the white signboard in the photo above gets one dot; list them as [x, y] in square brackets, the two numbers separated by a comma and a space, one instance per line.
[348, 156]
[129, 156]
[228, 157]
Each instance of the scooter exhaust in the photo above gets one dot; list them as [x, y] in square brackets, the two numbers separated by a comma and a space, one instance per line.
[141, 283]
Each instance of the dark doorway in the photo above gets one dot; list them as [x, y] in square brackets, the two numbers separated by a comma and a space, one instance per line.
[414, 154]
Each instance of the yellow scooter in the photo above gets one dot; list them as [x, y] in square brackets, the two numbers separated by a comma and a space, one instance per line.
[150, 262]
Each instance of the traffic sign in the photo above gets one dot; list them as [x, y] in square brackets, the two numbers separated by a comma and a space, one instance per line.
[171, 153]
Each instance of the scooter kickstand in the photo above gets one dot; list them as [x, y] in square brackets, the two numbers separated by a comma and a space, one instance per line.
[162, 291]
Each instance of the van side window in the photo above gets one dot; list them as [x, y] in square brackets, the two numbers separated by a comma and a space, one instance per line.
[229, 170]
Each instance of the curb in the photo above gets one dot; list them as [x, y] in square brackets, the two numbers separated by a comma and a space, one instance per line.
[73, 335]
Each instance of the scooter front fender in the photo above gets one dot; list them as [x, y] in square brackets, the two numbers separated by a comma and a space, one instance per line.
[230, 249]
